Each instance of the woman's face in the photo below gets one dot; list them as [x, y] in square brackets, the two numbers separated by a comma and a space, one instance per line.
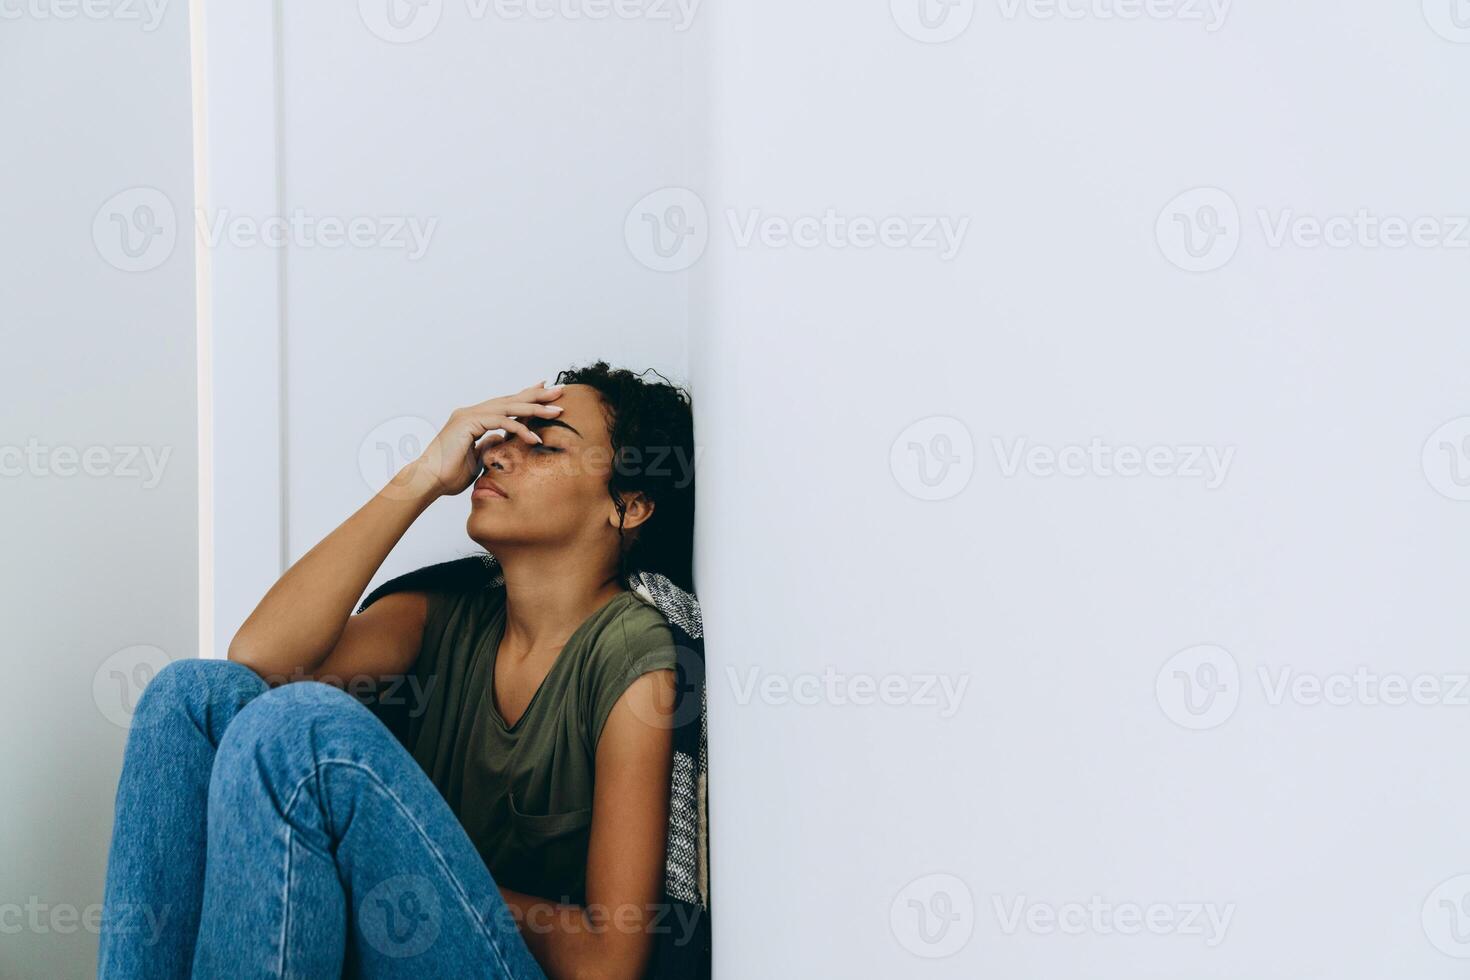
[556, 492]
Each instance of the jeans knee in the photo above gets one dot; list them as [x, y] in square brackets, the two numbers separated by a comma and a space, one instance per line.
[195, 686]
[303, 716]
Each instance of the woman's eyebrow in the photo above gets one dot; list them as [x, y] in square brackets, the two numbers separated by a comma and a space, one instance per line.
[540, 423]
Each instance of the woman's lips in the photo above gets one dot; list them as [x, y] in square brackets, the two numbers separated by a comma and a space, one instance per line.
[488, 490]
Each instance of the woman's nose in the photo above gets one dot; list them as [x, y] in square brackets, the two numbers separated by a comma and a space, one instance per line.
[504, 451]
[496, 456]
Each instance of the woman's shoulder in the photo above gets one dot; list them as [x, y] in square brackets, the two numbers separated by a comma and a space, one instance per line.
[634, 625]
[623, 632]
[632, 638]
[473, 577]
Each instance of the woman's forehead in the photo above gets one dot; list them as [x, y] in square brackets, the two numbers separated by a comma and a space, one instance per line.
[582, 408]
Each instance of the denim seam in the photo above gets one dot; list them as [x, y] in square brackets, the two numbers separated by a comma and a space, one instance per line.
[286, 897]
[458, 886]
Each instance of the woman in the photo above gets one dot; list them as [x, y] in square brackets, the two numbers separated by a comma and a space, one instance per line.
[266, 828]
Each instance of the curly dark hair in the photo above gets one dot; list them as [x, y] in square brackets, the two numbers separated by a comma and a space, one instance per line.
[652, 429]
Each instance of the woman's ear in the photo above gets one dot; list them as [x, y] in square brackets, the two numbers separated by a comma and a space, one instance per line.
[637, 509]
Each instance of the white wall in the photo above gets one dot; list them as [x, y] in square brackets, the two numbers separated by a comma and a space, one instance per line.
[97, 586]
[1062, 776]
[834, 385]
[514, 149]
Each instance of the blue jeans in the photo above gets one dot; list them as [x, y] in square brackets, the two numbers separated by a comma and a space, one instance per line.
[284, 832]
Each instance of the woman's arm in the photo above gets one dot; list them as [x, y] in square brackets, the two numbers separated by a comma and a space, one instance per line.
[611, 937]
[305, 615]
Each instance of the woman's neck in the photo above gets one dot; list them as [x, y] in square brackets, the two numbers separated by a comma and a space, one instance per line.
[548, 595]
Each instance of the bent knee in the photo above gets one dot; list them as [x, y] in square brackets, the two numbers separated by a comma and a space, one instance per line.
[195, 683]
[302, 714]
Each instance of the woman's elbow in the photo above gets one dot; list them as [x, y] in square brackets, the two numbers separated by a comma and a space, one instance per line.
[242, 653]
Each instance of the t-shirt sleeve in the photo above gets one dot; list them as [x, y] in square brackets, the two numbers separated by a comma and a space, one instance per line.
[637, 644]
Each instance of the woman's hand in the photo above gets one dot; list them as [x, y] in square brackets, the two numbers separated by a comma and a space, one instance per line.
[451, 462]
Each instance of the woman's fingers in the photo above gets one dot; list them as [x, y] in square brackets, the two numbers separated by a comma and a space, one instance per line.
[510, 425]
[539, 392]
[458, 450]
[532, 408]
[519, 427]
[510, 406]
[504, 413]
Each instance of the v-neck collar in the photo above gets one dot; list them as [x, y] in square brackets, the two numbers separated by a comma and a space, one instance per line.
[556, 664]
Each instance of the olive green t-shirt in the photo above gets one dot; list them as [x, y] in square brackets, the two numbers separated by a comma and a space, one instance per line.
[523, 792]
